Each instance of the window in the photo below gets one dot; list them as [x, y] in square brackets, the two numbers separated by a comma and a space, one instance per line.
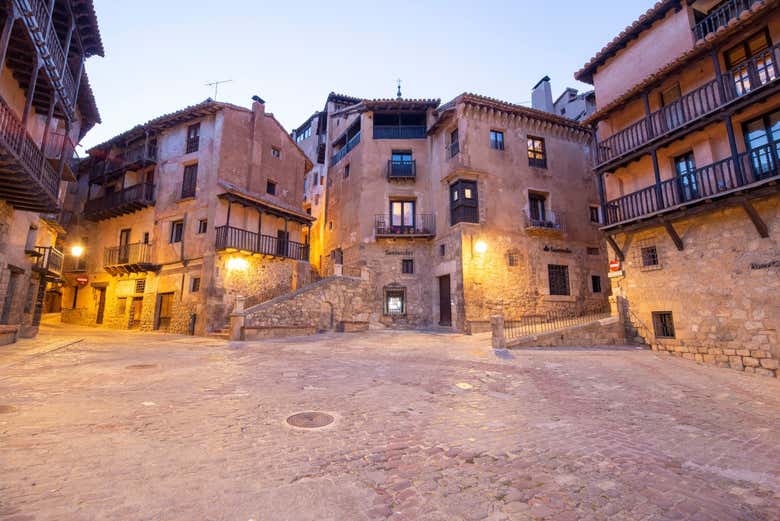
[346, 171]
[203, 225]
[649, 256]
[536, 207]
[454, 144]
[395, 301]
[146, 238]
[303, 134]
[685, 168]
[442, 250]
[513, 259]
[593, 250]
[189, 181]
[402, 215]
[407, 266]
[663, 324]
[140, 285]
[559, 279]
[750, 63]
[595, 283]
[194, 284]
[595, 214]
[464, 202]
[497, 140]
[193, 138]
[537, 155]
[270, 188]
[177, 230]
[762, 138]
[276, 152]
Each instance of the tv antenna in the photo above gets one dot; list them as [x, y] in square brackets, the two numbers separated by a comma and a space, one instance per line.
[216, 85]
[398, 94]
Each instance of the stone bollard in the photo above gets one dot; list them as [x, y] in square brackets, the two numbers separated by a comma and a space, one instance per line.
[237, 318]
[497, 329]
[338, 270]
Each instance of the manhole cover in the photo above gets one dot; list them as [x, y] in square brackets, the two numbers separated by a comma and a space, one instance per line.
[310, 420]
[141, 366]
[5, 409]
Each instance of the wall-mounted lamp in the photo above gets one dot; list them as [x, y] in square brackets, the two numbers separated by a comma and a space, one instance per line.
[480, 247]
[77, 250]
[237, 264]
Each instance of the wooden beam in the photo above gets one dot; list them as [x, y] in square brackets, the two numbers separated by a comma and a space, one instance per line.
[616, 248]
[758, 222]
[673, 234]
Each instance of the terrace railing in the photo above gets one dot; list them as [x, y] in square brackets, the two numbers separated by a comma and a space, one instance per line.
[549, 321]
[231, 238]
[422, 225]
[720, 17]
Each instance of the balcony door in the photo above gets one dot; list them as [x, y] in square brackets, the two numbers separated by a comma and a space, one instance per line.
[402, 216]
[124, 246]
[762, 138]
[536, 207]
[282, 240]
[750, 63]
[685, 170]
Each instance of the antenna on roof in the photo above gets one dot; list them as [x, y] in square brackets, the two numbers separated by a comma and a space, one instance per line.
[216, 85]
[398, 94]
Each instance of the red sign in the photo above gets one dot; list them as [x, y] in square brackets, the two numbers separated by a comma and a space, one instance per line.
[614, 265]
[82, 280]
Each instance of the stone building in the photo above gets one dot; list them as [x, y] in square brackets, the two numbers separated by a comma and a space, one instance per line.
[459, 211]
[46, 107]
[179, 215]
[570, 104]
[688, 126]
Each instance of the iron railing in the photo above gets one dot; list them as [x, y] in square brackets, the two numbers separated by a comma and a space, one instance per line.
[134, 253]
[229, 237]
[746, 77]
[142, 193]
[720, 17]
[701, 184]
[193, 144]
[422, 224]
[401, 169]
[49, 259]
[399, 131]
[343, 151]
[550, 221]
[553, 320]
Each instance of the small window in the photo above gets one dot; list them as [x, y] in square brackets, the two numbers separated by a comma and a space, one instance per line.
[595, 283]
[146, 238]
[592, 250]
[276, 152]
[203, 225]
[537, 154]
[513, 259]
[559, 279]
[330, 225]
[663, 324]
[140, 285]
[407, 266]
[189, 181]
[595, 214]
[649, 256]
[194, 284]
[395, 301]
[177, 230]
[270, 188]
[496, 140]
[442, 250]
[193, 138]
[346, 171]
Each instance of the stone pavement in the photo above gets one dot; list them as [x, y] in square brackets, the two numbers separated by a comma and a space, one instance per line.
[124, 425]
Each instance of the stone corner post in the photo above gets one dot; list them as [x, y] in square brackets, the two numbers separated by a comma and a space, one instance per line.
[497, 330]
[237, 318]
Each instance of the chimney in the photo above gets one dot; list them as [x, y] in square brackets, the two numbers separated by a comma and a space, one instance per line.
[541, 96]
[258, 104]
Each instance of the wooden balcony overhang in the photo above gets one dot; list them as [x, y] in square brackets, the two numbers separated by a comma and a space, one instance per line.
[127, 201]
[236, 195]
[131, 267]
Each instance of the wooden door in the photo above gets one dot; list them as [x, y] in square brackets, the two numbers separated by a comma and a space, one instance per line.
[445, 307]
[101, 305]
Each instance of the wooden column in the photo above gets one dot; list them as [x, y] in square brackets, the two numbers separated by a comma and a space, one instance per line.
[286, 239]
[602, 197]
[648, 123]
[63, 149]
[656, 170]
[46, 130]
[50, 21]
[260, 230]
[68, 39]
[718, 75]
[78, 79]
[5, 36]
[230, 205]
[31, 92]
[734, 151]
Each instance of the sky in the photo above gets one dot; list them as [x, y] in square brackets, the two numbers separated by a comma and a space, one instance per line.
[160, 54]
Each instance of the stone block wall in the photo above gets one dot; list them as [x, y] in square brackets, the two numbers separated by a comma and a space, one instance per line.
[751, 361]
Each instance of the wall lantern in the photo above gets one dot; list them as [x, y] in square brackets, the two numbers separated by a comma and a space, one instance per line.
[480, 247]
[77, 250]
[237, 264]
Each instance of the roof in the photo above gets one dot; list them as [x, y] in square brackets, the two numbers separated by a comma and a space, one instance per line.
[87, 23]
[306, 124]
[343, 98]
[390, 104]
[655, 13]
[261, 200]
[204, 108]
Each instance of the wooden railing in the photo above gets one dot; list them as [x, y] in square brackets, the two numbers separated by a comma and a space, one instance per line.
[229, 237]
[49, 259]
[401, 169]
[15, 139]
[422, 224]
[701, 184]
[135, 253]
[59, 144]
[756, 72]
[140, 193]
[343, 151]
[399, 131]
[720, 17]
[552, 221]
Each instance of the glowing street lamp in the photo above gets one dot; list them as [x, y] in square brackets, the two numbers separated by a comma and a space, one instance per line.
[237, 264]
[77, 250]
[480, 246]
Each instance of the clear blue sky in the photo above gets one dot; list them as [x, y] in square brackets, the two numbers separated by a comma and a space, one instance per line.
[159, 54]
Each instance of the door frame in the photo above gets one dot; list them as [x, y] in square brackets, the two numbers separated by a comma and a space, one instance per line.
[440, 279]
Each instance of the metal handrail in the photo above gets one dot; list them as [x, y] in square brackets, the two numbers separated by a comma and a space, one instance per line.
[422, 224]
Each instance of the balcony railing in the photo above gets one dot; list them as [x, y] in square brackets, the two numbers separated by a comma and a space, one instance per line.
[125, 201]
[35, 184]
[128, 257]
[702, 184]
[343, 151]
[402, 169]
[549, 222]
[230, 238]
[720, 17]
[423, 225]
[399, 131]
[48, 260]
[758, 71]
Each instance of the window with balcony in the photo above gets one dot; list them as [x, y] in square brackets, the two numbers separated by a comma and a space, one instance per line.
[685, 170]
[402, 215]
[464, 202]
[496, 140]
[762, 138]
[558, 277]
[402, 165]
[193, 138]
[750, 63]
[189, 181]
[399, 125]
[537, 153]
[536, 207]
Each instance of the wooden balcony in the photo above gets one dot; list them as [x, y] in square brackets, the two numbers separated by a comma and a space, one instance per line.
[401, 170]
[235, 239]
[744, 84]
[346, 149]
[129, 200]
[27, 180]
[48, 260]
[720, 17]
[129, 258]
[716, 181]
[422, 226]
[399, 132]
